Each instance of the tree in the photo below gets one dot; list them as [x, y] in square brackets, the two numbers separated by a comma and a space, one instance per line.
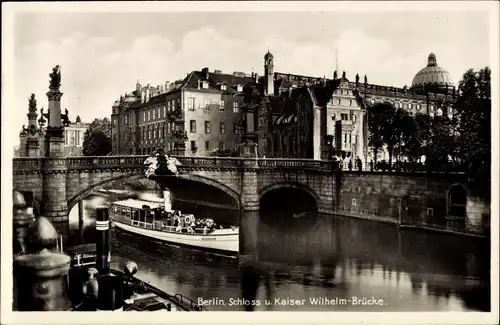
[97, 138]
[473, 109]
[376, 125]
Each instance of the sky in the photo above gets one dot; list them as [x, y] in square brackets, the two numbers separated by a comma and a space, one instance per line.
[102, 55]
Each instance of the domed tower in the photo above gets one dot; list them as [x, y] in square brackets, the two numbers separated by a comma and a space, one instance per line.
[269, 74]
[432, 78]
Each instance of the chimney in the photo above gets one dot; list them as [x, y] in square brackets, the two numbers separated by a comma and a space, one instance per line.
[199, 83]
[167, 200]
[148, 94]
[256, 76]
[166, 85]
[143, 96]
[205, 73]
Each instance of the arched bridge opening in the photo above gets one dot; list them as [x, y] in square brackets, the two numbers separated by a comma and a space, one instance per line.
[284, 203]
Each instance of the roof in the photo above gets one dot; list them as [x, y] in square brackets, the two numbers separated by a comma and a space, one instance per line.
[137, 204]
[286, 103]
[215, 79]
[432, 74]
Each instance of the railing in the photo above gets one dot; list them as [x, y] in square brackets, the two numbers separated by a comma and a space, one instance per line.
[90, 162]
[20, 164]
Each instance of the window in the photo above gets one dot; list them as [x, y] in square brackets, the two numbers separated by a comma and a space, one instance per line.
[126, 119]
[350, 138]
[149, 115]
[338, 101]
[344, 117]
[333, 117]
[192, 126]
[193, 145]
[205, 84]
[222, 128]
[419, 107]
[158, 112]
[221, 106]
[410, 106]
[221, 145]
[206, 104]
[400, 105]
[223, 87]
[207, 127]
[350, 102]
[191, 103]
[235, 107]
[168, 105]
[345, 137]
[207, 145]
[239, 88]
[432, 108]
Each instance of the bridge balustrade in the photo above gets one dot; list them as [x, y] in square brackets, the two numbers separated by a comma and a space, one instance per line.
[89, 162]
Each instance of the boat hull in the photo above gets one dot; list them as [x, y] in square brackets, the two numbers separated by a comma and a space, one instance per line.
[228, 243]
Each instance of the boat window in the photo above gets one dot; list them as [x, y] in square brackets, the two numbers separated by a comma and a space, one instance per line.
[149, 218]
[135, 215]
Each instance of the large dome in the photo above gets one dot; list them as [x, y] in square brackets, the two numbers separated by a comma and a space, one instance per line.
[432, 76]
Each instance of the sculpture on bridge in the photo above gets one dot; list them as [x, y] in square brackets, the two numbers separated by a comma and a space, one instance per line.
[55, 77]
[160, 164]
[65, 118]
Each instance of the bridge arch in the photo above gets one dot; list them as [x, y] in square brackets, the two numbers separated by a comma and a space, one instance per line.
[302, 187]
[191, 177]
[456, 200]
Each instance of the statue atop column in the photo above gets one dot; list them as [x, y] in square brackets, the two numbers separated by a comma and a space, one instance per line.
[55, 77]
[32, 103]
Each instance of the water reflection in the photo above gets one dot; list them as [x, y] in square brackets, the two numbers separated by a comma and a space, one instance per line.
[323, 257]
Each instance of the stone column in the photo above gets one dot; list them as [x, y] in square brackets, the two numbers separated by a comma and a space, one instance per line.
[32, 148]
[54, 202]
[248, 147]
[54, 134]
[317, 133]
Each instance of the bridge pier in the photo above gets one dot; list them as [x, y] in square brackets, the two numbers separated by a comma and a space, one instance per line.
[249, 229]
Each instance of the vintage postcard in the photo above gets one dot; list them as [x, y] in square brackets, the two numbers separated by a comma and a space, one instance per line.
[250, 162]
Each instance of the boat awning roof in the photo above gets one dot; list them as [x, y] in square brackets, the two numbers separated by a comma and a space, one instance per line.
[137, 204]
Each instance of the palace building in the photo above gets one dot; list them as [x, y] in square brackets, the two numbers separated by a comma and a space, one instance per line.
[292, 105]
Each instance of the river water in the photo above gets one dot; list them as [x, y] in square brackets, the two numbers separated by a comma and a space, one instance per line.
[313, 257]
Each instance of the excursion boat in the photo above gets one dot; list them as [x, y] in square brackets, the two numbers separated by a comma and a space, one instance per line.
[156, 220]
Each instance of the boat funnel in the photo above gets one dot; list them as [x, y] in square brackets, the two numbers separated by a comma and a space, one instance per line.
[167, 198]
[102, 245]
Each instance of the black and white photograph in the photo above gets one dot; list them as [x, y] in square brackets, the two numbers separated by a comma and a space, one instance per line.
[327, 157]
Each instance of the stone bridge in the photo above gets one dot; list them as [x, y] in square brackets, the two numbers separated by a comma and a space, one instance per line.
[70, 179]
[411, 198]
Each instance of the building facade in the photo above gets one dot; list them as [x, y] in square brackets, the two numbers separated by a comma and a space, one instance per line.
[343, 116]
[294, 115]
[195, 116]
